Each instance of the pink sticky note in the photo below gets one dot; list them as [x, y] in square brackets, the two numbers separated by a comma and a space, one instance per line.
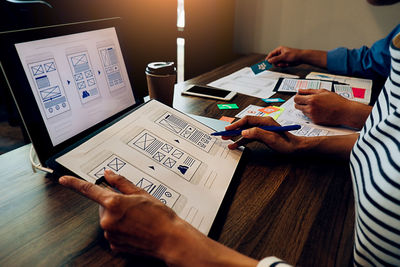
[228, 119]
[358, 92]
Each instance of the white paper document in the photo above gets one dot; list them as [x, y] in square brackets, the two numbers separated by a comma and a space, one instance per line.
[245, 82]
[291, 115]
[357, 89]
[293, 85]
[168, 154]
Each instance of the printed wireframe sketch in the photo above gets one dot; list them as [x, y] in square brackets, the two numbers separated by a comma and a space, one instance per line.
[180, 127]
[142, 180]
[84, 76]
[111, 67]
[68, 81]
[189, 177]
[49, 87]
[165, 154]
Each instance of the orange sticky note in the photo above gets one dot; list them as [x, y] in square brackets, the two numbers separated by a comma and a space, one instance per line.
[228, 119]
[270, 109]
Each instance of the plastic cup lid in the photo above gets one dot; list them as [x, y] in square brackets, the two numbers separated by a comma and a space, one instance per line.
[161, 68]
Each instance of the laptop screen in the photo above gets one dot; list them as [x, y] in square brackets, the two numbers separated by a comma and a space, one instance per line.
[68, 81]
[77, 80]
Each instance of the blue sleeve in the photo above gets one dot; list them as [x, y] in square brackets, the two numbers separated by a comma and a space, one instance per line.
[364, 62]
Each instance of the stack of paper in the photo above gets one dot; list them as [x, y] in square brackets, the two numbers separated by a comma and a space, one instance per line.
[244, 81]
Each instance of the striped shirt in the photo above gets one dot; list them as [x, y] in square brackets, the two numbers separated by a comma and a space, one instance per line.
[375, 170]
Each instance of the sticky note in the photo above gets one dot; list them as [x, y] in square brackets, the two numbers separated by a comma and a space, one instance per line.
[275, 115]
[228, 106]
[358, 92]
[269, 109]
[228, 119]
[273, 100]
[261, 66]
[251, 110]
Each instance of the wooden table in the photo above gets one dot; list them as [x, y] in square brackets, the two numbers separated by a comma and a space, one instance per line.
[297, 208]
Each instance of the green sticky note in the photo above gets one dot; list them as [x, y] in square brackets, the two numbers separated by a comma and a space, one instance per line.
[228, 106]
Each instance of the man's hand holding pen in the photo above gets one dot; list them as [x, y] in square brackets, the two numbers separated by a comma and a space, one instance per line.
[280, 141]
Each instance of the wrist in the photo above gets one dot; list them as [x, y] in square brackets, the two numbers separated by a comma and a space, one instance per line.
[357, 114]
[307, 144]
[186, 246]
[304, 55]
[302, 144]
[314, 57]
[172, 249]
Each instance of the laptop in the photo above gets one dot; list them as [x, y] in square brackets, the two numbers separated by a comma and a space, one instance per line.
[72, 88]
[42, 65]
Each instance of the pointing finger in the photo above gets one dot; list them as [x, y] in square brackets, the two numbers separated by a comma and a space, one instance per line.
[121, 183]
[92, 191]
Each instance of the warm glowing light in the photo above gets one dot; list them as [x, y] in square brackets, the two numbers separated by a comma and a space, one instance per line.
[181, 15]
[180, 44]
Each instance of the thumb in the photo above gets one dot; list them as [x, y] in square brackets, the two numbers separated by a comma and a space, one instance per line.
[277, 59]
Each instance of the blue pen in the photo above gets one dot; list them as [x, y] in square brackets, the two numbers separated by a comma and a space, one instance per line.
[267, 128]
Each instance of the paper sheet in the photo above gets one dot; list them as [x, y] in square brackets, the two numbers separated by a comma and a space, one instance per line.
[356, 83]
[293, 85]
[291, 115]
[244, 81]
[168, 154]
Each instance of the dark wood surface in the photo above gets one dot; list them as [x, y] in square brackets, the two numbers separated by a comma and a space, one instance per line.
[297, 208]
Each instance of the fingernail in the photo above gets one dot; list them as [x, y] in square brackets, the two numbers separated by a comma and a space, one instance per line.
[61, 180]
[108, 172]
[245, 132]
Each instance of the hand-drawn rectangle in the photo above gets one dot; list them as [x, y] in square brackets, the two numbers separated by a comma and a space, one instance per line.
[42, 82]
[50, 93]
[142, 180]
[165, 154]
[49, 67]
[37, 70]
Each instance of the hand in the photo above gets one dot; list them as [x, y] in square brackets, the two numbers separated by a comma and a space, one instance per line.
[322, 106]
[137, 223]
[133, 221]
[284, 56]
[283, 142]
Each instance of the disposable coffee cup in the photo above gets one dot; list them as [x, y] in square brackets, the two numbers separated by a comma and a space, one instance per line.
[161, 77]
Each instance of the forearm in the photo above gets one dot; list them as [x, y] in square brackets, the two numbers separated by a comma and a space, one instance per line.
[314, 57]
[356, 114]
[338, 146]
[185, 246]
